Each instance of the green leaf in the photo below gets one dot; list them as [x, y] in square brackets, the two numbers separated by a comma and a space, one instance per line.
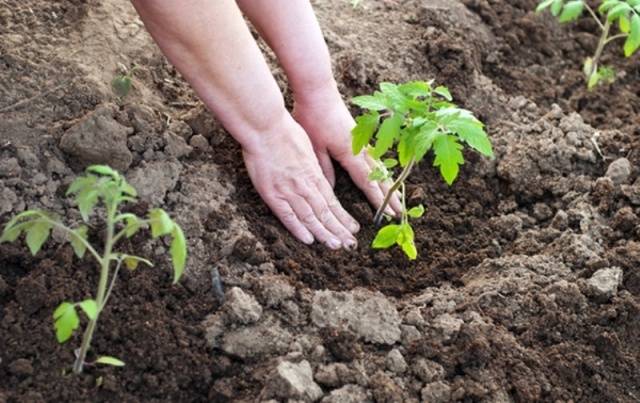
[87, 198]
[556, 7]
[378, 174]
[37, 235]
[624, 24]
[161, 223]
[543, 5]
[594, 79]
[472, 132]
[104, 170]
[78, 235]
[178, 252]
[365, 127]
[423, 140]
[572, 11]
[618, 11]
[388, 133]
[409, 249]
[132, 224]
[107, 360]
[390, 163]
[607, 5]
[132, 262]
[416, 88]
[386, 237]
[65, 321]
[443, 92]
[371, 102]
[81, 183]
[395, 97]
[633, 40]
[121, 86]
[90, 307]
[128, 189]
[448, 157]
[416, 212]
[405, 148]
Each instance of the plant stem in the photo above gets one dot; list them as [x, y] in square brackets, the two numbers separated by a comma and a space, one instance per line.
[405, 216]
[377, 219]
[595, 17]
[105, 262]
[601, 44]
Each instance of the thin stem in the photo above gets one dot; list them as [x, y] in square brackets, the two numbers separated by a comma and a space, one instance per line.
[72, 233]
[405, 216]
[377, 219]
[613, 38]
[600, 48]
[595, 17]
[112, 283]
[105, 262]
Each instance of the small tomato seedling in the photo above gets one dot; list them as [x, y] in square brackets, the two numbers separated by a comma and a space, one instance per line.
[99, 184]
[624, 13]
[412, 119]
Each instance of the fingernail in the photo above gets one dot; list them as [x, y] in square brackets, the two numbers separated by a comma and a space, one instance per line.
[351, 244]
[308, 239]
[354, 227]
[334, 243]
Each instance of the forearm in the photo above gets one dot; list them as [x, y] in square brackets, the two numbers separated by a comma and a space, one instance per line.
[211, 46]
[292, 31]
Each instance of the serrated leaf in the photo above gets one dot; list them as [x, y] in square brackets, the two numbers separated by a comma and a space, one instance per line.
[633, 40]
[624, 24]
[65, 321]
[161, 223]
[370, 102]
[423, 140]
[90, 307]
[78, 235]
[388, 133]
[87, 198]
[396, 98]
[178, 252]
[473, 133]
[416, 212]
[37, 235]
[386, 237]
[108, 360]
[572, 11]
[81, 183]
[448, 157]
[416, 89]
[443, 92]
[405, 148]
[361, 134]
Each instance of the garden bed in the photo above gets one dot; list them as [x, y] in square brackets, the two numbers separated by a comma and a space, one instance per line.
[527, 287]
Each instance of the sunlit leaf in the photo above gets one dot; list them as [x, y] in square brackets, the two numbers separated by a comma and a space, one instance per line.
[107, 360]
[65, 321]
[90, 307]
[178, 252]
[386, 237]
[161, 223]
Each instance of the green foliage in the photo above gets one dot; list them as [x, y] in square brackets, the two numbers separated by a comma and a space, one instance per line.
[623, 13]
[412, 119]
[122, 83]
[104, 186]
[107, 360]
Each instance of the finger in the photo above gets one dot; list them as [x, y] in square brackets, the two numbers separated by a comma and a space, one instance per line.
[336, 208]
[359, 170]
[289, 219]
[327, 167]
[308, 218]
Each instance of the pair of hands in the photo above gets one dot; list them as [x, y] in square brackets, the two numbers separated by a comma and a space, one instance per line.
[293, 172]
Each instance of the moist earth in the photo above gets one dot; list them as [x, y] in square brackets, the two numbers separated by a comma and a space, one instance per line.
[526, 288]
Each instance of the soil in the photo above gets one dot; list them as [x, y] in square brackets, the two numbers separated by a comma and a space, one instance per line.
[502, 304]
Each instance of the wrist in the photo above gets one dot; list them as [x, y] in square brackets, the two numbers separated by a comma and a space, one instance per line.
[320, 90]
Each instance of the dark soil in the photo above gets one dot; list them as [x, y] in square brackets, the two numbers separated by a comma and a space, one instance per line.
[549, 346]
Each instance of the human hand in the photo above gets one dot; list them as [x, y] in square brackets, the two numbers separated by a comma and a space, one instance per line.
[286, 174]
[327, 121]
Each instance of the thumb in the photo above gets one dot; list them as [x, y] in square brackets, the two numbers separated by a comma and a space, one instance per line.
[327, 168]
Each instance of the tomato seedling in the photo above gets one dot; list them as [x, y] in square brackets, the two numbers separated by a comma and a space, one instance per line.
[624, 13]
[411, 119]
[99, 184]
[122, 83]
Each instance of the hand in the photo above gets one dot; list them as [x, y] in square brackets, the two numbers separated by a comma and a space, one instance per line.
[286, 173]
[327, 121]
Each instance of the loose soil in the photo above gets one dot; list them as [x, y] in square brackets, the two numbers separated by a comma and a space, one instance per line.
[506, 251]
